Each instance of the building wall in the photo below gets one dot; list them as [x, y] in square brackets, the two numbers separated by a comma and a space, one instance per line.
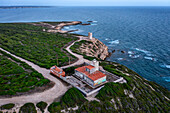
[84, 77]
[78, 74]
[99, 81]
[92, 70]
[95, 63]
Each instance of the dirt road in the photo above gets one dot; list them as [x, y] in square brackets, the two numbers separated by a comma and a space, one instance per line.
[48, 96]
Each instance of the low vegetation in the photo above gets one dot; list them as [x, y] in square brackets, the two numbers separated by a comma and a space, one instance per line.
[70, 70]
[42, 105]
[16, 77]
[31, 43]
[134, 96]
[111, 90]
[137, 95]
[46, 50]
[7, 106]
[72, 98]
[28, 108]
[55, 107]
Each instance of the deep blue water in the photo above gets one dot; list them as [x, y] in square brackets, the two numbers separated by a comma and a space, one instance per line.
[143, 32]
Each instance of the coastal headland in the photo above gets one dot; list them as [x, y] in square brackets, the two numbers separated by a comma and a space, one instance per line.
[44, 44]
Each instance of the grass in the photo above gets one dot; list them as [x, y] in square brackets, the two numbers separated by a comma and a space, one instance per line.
[31, 43]
[16, 77]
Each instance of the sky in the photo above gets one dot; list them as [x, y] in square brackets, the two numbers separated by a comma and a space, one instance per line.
[85, 2]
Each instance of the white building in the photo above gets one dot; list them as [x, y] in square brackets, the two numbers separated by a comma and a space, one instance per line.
[91, 73]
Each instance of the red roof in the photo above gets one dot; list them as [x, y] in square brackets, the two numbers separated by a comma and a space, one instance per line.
[90, 67]
[57, 69]
[94, 76]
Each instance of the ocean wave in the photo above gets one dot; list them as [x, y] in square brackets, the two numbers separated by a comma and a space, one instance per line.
[119, 58]
[149, 54]
[106, 39]
[167, 79]
[130, 52]
[165, 66]
[141, 50]
[94, 24]
[95, 21]
[66, 27]
[150, 58]
[114, 42]
[134, 56]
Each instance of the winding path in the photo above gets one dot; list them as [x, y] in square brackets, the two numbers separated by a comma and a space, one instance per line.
[49, 95]
[81, 60]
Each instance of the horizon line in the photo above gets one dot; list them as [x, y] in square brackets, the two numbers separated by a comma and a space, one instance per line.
[85, 6]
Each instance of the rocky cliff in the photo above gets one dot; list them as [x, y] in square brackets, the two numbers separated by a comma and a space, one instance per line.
[93, 48]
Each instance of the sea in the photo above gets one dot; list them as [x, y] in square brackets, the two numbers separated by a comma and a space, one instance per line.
[139, 37]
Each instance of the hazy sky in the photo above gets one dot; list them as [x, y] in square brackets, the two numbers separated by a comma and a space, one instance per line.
[87, 2]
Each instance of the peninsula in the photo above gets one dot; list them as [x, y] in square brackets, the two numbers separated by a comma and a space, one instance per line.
[29, 52]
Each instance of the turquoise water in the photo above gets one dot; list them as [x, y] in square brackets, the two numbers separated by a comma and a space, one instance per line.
[142, 32]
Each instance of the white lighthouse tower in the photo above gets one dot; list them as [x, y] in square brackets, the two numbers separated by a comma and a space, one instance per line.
[95, 63]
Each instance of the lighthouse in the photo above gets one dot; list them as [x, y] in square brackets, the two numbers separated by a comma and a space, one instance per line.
[90, 36]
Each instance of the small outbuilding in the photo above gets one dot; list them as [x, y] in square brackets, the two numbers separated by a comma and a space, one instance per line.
[57, 71]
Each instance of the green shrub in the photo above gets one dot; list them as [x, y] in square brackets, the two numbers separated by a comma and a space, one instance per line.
[42, 105]
[14, 78]
[70, 70]
[72, 98]
[54, 107]
[7, 106]
[31, 43]
[111, 90]
[28, 108]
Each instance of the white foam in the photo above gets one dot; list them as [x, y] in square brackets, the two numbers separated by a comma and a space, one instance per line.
[93, 24]
[119, 58]
[130, 52]
[167, 79]
[134, 56]
[66, 28]
[149, 54]
[165, 66]
[141, 50]
[95, 21]
[114, 42]
[106, 39]
[148, 58]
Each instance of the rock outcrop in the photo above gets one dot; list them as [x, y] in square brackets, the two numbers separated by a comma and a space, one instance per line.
[94, 48]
